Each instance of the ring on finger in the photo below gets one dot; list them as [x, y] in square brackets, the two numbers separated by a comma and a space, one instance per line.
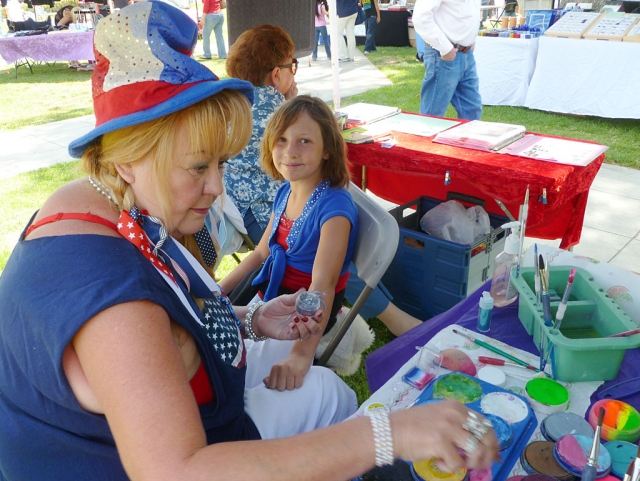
[471, 445]
[476, 425]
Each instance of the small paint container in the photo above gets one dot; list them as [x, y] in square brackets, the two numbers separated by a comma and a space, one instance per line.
[492, 375]
[505, 405]
[538, 458]
[621, 420]
[572, 451]
[546, 396]
[538, 477]
[502, 430]
[515, 478]
[622, 453]
[480, 475]
[457, 386]
[308, 303]
[556, 425]
[427, 470]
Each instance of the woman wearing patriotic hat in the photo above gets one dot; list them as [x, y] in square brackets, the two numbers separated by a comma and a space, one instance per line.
[119, 356]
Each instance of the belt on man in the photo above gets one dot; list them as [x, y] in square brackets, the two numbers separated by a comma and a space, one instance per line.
[461, 49]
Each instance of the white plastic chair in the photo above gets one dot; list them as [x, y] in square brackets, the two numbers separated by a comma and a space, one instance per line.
[376, 245]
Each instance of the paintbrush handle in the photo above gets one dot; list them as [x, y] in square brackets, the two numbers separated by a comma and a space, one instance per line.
[589, 473]
[626, 333]
[546, 309]
[500, 352]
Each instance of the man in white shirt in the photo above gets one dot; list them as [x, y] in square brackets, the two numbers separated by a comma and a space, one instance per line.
[449, 28]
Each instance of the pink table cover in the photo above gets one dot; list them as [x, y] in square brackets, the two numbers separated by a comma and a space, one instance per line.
[49, 47]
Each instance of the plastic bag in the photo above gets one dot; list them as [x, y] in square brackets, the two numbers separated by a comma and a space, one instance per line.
[453, 222]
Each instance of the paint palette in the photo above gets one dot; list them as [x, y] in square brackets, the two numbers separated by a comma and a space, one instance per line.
[513, 419]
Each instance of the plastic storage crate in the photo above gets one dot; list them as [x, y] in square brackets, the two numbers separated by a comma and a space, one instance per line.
[429, 275]
[581, 351]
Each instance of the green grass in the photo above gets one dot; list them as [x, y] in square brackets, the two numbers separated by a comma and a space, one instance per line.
[56, 93]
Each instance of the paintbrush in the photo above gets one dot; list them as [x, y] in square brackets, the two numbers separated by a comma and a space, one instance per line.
[626, 333]
[524, 214]
[629, 473]
[565, 298]
[500, 362]
[491, 348]
[536, 272]
[590, 470]
[636, 467]
[546, 301]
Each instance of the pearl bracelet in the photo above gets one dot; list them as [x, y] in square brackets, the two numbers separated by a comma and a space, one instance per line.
[382, 437]
[248, 328]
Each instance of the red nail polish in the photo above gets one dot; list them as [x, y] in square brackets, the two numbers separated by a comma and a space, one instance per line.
[305, 319]
[296, 319]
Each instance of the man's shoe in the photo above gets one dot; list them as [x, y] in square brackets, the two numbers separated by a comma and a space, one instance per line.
[202, 57]
[366, 52]
[344, 59]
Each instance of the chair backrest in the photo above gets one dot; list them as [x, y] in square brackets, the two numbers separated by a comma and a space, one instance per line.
[378, 235]
[377, 242]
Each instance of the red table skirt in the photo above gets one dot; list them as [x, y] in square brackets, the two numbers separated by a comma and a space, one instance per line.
[416, 166]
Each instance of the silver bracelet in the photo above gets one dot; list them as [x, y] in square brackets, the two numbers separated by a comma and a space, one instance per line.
[248, 328]
[382, 437]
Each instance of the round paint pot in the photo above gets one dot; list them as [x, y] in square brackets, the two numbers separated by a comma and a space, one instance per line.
[457, 386]
[427, 470]
[480, 475]
[502, 430]
[546, 395]
[492, 375]
[556, 425]
[505, 405]
[538, 477]
[622, 453]
[538, 458]
[572, 450]
[621, 420]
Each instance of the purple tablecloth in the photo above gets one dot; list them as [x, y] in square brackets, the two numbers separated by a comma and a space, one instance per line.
[49, 47]
[505, 326]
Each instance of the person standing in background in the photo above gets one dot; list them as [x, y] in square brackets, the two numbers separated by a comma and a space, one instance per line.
[449, 29]
[372, 14]
[347, 11]
[213, 20]
[321, 14]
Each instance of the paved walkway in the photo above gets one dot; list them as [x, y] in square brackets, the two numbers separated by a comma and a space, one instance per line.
[611, 230]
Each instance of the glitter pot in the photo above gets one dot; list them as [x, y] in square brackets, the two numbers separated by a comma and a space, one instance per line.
[556, 425]
[572, 450]
[427, 470]
[502, 430]
[307, 303]
[537, 458]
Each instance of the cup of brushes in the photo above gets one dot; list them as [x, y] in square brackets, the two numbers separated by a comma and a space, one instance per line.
[575, 333]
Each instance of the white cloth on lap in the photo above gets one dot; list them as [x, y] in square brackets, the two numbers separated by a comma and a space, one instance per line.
[324, 399]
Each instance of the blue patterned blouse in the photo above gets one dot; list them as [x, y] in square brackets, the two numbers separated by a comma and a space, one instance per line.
[246, 183]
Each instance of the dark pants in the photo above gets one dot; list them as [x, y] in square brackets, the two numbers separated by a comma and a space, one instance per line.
[370, 26]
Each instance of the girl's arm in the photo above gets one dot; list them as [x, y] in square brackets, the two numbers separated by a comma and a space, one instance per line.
[332, 249]
[249, 263]
[133, 366]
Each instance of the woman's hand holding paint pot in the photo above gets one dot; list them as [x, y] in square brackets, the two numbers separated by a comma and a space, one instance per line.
[436, 431]
[277, 319]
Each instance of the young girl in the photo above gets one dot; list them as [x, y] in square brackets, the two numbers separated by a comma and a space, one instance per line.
[321, 12]
[310, 238]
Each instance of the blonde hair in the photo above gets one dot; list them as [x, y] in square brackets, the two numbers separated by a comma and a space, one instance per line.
[219, 126]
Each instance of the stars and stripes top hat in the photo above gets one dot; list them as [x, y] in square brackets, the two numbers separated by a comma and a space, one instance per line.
[144, 69]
